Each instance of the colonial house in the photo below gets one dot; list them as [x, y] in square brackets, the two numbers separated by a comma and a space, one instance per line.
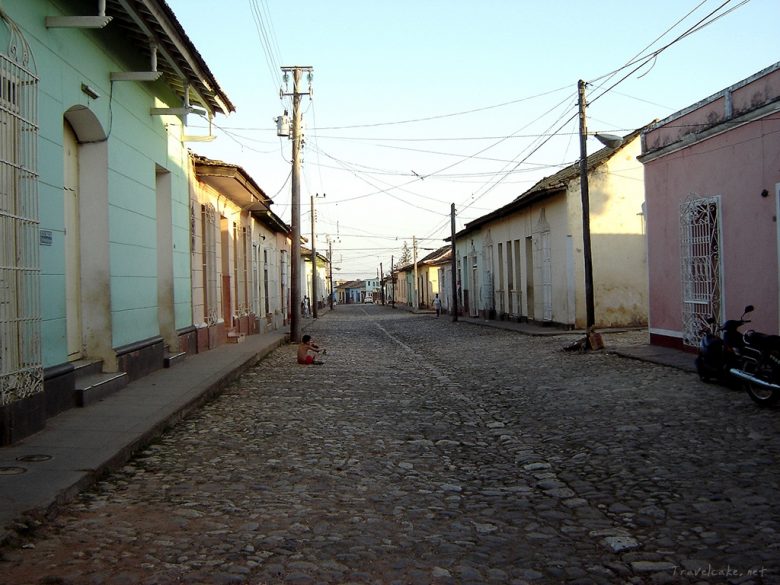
[404, 285]
[352, 291]
[240, 256]
[430, 271]
[525, 260]
[712, 181]
[95, 208]
[372, 289]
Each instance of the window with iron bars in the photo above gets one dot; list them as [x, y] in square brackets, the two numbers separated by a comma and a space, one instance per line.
[21, 372]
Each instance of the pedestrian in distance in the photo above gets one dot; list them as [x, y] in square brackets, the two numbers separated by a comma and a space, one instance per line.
[437, 305]
[307, 350]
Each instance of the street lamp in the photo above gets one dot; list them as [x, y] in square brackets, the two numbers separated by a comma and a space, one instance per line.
[610, 141]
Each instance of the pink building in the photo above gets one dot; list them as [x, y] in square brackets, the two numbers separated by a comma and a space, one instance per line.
[712, 189]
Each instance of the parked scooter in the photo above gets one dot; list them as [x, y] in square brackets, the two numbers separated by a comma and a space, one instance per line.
[720, 349]
[759, 369]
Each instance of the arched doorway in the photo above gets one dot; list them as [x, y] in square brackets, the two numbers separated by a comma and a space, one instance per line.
[87, 255]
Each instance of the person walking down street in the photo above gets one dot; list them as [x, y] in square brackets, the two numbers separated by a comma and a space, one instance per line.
[437, 305]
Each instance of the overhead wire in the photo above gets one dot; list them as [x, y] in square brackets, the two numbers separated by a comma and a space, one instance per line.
[267, 38]
[448, 115]
[378, 189]
[641, 63]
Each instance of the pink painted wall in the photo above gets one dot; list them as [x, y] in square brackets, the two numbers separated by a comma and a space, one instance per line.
[736, 165]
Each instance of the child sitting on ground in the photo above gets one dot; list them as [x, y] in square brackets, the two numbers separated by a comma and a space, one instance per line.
[306, 346]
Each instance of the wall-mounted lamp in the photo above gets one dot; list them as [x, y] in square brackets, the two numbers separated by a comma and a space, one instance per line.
[90, 91]
[764, 193]
[609, 140]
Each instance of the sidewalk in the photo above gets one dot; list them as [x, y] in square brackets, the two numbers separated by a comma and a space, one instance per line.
[79, 445]
[649, 353]
[664, 356]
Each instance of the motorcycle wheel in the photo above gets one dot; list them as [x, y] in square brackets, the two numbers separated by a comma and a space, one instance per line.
[760, 395]
[702, 370]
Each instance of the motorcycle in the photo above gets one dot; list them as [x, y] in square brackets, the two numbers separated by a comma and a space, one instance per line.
[759, 370]
[720, 349]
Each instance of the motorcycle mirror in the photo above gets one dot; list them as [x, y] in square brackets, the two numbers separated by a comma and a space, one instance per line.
[749, 309]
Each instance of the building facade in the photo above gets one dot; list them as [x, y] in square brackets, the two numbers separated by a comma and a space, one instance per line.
[95, 211]
[713, 198]
[240, 256]
[525, 260]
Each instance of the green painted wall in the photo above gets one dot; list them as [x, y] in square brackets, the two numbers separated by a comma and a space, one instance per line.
[137, 143]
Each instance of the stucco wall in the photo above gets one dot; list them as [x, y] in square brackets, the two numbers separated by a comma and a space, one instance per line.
[618, 242]
[137, 144]
[618, 248]
[735, 166]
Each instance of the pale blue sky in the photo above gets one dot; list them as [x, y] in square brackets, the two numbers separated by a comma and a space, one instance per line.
[380, 64]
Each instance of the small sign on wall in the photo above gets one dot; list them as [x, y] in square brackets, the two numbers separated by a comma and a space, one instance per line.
[46, 237]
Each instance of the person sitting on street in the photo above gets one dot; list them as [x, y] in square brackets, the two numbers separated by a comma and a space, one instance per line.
[307, 350]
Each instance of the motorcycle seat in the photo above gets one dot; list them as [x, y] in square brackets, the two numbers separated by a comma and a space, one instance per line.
[762, 341]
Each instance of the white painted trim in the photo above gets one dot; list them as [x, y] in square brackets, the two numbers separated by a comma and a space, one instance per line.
[666, 332]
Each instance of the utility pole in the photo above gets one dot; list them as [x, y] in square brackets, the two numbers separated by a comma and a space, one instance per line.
[590, 311]
[392, 281]
[454, 265]
[295, 249]
[313, 260]
[382, 284]
[330, 269]
[416, 297]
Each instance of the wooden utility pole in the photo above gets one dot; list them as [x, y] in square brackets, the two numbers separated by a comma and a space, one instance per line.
[590, 317]
[416, 292]
[295, 206]
[313, 258]
[330, 269]
[392, 281]
[454, 265]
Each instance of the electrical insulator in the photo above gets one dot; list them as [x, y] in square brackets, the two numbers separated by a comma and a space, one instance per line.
[283, 125]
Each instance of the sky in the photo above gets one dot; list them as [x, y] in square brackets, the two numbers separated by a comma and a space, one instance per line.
[419, 104]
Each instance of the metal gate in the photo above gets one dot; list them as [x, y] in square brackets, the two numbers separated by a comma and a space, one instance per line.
[21, 372]
[700, 264]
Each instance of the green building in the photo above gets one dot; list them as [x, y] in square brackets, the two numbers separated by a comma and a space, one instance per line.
[95, 214]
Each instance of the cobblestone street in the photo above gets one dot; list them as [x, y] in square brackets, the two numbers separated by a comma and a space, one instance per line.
[426, 451]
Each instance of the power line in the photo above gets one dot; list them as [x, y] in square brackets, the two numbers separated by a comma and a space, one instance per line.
[270, 48]
[440, 116]
[642, 61]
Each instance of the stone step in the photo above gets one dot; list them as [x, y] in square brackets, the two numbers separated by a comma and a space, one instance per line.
[234, 337]
[86, 367]
[94, 387]
[171, 359]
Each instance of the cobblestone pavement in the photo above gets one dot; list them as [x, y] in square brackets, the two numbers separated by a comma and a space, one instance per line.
[425, 451]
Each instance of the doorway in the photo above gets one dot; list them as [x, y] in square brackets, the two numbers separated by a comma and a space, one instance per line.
[72, 240]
